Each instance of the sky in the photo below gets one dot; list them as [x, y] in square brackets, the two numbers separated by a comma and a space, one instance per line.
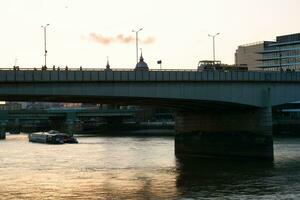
[86, 32]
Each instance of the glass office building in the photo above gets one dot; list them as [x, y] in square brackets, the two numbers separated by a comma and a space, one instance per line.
[283, 54]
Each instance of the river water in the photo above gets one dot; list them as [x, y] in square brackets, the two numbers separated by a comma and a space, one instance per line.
[140, 168]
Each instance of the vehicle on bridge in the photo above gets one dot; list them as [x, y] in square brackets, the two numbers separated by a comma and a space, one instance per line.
[217, 65]
[51, 137]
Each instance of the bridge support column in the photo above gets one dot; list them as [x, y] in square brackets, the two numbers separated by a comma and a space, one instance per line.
[69, 127]
[16, 126]
[235, 134]
[70, 123]
[2, 130]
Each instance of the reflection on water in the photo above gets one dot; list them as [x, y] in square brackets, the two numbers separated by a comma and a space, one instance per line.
[96, 168]
[211, 178]
[140, 168]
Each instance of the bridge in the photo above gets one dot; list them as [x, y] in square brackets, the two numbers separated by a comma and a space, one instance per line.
[63, 119]
[219, 113]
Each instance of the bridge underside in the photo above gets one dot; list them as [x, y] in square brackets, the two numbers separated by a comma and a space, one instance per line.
[176, 104]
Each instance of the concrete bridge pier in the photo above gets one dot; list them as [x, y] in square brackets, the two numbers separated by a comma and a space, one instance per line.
[228, 133]
[2, 130]
[70, 123]
[15, 127]
[69, 126]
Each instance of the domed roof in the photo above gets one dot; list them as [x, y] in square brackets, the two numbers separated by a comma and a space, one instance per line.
[142, 65]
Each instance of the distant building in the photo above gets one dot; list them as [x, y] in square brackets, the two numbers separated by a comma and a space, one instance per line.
[247, 55]
[42, 105]
[282, 54]
[10, 106]
[13, 105]
[72, 105]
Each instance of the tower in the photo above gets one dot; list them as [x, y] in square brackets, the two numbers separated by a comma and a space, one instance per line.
[141, 65]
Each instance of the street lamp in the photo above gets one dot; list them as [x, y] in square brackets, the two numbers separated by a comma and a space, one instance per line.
[213, 37]
[137, 43]
[45, 28]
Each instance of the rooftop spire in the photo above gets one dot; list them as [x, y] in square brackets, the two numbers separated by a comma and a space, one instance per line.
[107, 64]
[141, 58]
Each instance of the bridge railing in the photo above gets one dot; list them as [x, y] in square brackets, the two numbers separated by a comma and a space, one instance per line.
[122, 69]
[98, 75]
[86, 69]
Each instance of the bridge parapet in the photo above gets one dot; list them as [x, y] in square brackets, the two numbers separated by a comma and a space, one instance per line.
[152, 76]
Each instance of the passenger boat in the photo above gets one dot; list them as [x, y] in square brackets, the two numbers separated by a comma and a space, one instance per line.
[51, 137]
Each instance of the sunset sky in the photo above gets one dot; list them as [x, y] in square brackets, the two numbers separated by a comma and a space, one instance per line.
[85, 32]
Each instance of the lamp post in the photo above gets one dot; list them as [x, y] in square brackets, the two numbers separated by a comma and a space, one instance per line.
[213, 37]
[159, 62]
[137, 43]
[45, 42]
[16, 60]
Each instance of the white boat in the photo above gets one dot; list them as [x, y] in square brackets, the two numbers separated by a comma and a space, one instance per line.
[51, 137]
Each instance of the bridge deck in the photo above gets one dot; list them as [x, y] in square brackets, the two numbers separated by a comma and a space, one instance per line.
[100, 75]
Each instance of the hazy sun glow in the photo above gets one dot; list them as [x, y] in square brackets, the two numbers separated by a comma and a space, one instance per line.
[84, 33]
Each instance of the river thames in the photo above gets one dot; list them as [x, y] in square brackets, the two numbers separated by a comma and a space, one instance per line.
[140, 168]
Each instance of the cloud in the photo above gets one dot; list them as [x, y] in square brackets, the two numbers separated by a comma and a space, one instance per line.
[122, 39]
[149, 40]
[125, 39]
[100, 39]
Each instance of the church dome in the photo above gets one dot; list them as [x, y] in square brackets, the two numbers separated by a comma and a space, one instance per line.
[142, 65]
